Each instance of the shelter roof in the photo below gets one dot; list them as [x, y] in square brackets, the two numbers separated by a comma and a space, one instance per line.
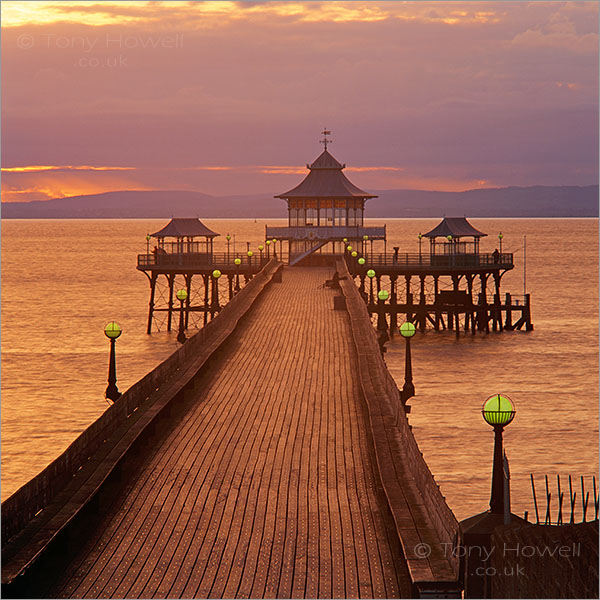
[456, 227]
[185, 228]
[326, 180]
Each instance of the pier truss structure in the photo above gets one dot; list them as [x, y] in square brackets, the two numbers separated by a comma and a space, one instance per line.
[460, 292]
[209, 278]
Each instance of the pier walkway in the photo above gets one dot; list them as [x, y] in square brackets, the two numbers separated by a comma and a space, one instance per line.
[267, 486]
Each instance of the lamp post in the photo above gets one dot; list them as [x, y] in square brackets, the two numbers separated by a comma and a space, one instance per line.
[407, 330]
[250, 254]
[382, 296]
[215, 307]
[275, 248]
[364, 244]
[260, 249]
[181, 296]
[500, 236]
[228, 238]
[148, 244]
[420, 244]
[237, 262]
[268, 242]
[112, 331]
[370, 275]
[498, 411]
[361, 263]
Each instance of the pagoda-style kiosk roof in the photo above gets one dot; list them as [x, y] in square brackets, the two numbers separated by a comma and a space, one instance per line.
[452, 230]
[456, 227]
[185, 228]
[326, 180]
[324, 208]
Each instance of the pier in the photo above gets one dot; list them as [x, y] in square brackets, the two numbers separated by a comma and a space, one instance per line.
[271, 457]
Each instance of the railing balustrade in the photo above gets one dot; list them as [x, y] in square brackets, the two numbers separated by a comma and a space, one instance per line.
[407, 259]
[202, 259]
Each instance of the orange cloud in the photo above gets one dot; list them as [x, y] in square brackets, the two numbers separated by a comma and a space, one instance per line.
[210, 14]
[40, 168]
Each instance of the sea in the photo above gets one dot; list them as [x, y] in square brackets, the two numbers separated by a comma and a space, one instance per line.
[63, 280]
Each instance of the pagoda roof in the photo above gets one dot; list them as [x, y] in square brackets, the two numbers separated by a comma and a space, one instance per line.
[185, 228]
[326, 180]
[456, 227]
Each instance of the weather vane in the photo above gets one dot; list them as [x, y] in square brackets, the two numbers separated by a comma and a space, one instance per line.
[325, 141]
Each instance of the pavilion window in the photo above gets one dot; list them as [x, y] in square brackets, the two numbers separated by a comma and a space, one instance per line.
[352, 217]
[311, 216]
[301, 217]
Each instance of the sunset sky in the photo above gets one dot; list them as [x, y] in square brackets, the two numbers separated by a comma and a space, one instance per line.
[230, 97]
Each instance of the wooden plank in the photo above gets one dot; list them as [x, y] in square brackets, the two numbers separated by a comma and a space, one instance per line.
[266, 486]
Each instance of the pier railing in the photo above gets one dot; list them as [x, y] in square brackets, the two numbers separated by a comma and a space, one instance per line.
[314, 232]
[39, 492]
[221, 260]
[408, 259]
[399, 460]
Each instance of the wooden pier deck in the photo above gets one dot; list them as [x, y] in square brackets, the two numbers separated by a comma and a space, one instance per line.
[267, 486]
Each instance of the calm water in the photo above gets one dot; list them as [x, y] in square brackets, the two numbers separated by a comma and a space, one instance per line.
[62, 281]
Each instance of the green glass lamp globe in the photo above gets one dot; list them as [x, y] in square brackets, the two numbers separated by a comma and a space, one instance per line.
[345, 240]
[148, 238]
[370, 273]
[112, 330]
[181, 295]
[354, 253]
[238, 261]
[383, 295]
[500, 236]
[420, 236]
[449, 238]
[274, 241]
[268, 242]
[250, 253]
[498, 410]
[361, 261]
[349, 248]
[216, 273]
[227, 237]
[365, 237]
[407, 329]
[261, 247]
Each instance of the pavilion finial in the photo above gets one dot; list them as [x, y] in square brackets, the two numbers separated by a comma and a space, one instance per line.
[325, 141]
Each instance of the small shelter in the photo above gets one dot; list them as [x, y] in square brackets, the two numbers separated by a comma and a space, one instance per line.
[453, 230]
[185, 232]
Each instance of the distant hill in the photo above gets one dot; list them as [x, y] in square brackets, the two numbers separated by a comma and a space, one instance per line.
[535, 201]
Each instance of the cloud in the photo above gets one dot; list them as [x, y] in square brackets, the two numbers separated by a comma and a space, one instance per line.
[497, 91]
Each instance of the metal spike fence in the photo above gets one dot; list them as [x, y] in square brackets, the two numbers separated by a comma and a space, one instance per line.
[554, 508]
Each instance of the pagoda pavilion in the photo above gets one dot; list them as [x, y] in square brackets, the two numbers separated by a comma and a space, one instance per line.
[325, 208]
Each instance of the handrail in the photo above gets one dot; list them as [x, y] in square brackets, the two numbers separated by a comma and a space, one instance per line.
[314, 232]
[19, 508]
[221, 260]
[406, 478]
[410, 259]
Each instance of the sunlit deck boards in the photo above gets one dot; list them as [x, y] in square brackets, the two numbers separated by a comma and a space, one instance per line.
[267, 486]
